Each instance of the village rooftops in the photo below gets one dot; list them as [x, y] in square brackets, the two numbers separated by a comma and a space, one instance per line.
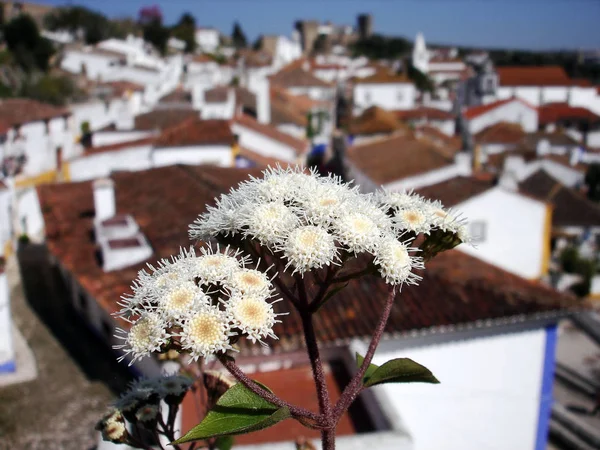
[533, 76]
[424, 112]
[501, 133]
[376, 120]
[197, 132]
[384, 76]
[299, 145]
[396, 157]
[557, 112]
[18, 111]
[476, 111]
[161, 119]
[458, 189]
[457, 292]
[570, 208]
[297, 77]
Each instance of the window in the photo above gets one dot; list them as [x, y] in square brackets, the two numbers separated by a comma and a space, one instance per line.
[477, 230]
[489, 85]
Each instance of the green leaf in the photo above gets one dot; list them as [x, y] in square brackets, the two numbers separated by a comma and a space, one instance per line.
[224, 442]
[370, 370]
[400, 370]
[238, 411]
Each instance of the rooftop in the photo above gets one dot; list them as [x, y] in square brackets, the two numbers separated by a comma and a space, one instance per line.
[424, 112]
[299, 145]
[197, 132]
[533, 76]
[556, 112]
[476, 111]
[570, 208]
[17, 111]
[397, 157]
[501, 133]
[160, 119]
[297, 77]
[457, 190]
[383, 76]
[376, 120]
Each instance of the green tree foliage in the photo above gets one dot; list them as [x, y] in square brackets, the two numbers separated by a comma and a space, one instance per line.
[185, 30]
[573, 263]
[320, 44]
[592, 181]
[29, 49]
[157, 35]
[95, 26]
[382, 47]
[50, 89]
[421, 80]
[238, 37]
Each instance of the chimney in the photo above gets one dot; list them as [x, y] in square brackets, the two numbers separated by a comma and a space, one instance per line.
[263, 100]
[104, 198]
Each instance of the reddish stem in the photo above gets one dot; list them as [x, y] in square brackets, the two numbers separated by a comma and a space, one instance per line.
[354, 388]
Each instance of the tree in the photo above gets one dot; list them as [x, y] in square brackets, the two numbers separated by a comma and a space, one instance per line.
[95, 26]
[150, 18]
[422, 82]
[320, 44]
[238, 36]
[29, 49]
[185, 30]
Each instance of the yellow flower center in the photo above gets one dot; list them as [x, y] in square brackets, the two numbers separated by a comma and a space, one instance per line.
[252, 312]
[204, 329]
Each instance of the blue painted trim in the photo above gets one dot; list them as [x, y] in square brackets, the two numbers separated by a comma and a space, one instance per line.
[546, 398]
[8, 367]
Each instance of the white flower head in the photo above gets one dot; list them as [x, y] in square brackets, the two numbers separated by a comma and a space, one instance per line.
[269, 222]
[175, 385]
[180, 299]
[249, 281]
[309, 247]
[323, 202]
[147, 335]
[215, 268]
[399, 200]
[357, 232]
[415, 218]
[444, 219]
[221, 219]
[253, 315]
[395, 262]
[113, 427]
[205, 332]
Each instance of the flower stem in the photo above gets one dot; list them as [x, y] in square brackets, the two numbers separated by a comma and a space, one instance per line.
[354, 387]
[239, 375]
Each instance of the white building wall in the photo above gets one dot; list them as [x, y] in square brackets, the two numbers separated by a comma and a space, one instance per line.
[514, 112]
[513, 225]
[532, 95]
[96, 65]
[488, 398]
[315, 93]
[94, 112]
[100, 165]
[293, 130]
[387, 96]
[263, 145]
[7, 354]
[29, 214]
[429, 178]
[5, 220]
[555, 94]
[218, 155]
[207, 39]
[586, 97]
[101, 138]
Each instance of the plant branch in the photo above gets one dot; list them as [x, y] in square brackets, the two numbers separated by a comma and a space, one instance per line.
[239, 375]
[353, 275]
[355, 385]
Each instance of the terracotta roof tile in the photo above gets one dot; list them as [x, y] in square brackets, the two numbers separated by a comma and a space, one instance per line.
[501, 133]
[570, 208]
[383, 76]
[260, 160]
[448, 145]
[121, 145]
[376, 120]
[289, 108]
[300, 145]
[476, 111]
[197, 132]
[17, 111]
[216, 95]
[456, 190]
[297, 77]
[397, 157]
[177, 96]
[556, 112]
[423, 112]
[533, 76]
[161, 119]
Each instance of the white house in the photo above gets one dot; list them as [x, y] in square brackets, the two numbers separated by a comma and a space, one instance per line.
[578, 122]
[512, 110]
[7, 351]
[6, 227]
[207, 39]
[298, 80]
[388, 91]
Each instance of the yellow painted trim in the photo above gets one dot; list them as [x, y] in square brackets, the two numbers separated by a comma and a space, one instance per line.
[45, 177]
[8, 249]
[547, 236]
[66, 171]
[235, 151]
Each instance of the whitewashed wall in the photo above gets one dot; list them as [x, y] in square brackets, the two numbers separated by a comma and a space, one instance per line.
[7, 353]
[263, 145]
[514, 112]
[315, 93]
[555, 94]
[387, 96]
[29, 214]
[488, 398]
[293, 130]
[586, 97]
[101, 138]
[96, 65]
[5, 219]
[100, 165]
[218, 155]
[514, 225]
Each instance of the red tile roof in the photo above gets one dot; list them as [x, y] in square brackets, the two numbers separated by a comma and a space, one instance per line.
[297, 77]
[448, 145]
[158, 199]
[161, 119]
[457, 190]
[533, 76]
[556, 112]
[18, 111]
[299, 145]
[570, 208]
[397, 157]
[376, 120]
[424, 112]
[501, 133]
[197, 132]
[384, 76]
[476, 111]
[177, 96]
[121, 145]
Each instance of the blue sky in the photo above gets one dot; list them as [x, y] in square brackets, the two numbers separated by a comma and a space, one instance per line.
[535, 24]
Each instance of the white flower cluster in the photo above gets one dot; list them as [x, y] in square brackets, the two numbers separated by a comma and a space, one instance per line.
[311, 221]
[197, 304]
